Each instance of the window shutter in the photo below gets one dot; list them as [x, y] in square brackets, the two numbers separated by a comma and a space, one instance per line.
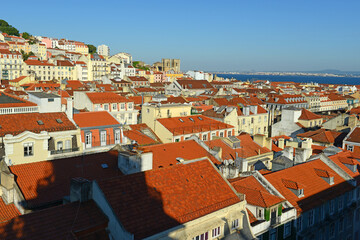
[267, 214]
[280, 209]
[51, 144]
[73, 141]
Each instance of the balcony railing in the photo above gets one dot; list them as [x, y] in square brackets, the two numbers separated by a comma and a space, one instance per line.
[53, 152]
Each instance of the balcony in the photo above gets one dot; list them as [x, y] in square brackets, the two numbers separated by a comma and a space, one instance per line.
[53, 152]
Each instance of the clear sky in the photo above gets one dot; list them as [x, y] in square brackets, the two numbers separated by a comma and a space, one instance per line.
[227, 35]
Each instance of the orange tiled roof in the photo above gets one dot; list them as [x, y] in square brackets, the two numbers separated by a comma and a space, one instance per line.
[10, 101]
[307, 115]
[316, 190]
[248, 147]
[69, 221]
[47, 182]
[164, 155]
[106, 97]
[321, 135]
[354, 136]
[94, 119]
[7, 211]
[14, 123]
[168, 197]
[192, 124]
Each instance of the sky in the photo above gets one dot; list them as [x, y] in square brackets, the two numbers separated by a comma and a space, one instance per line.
[227, 35]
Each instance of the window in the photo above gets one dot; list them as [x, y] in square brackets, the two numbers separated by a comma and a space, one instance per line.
[28, 149]
[59, 145]
[273, 234]
[88, 140]
[299, 224]
[259, 119]
[117, 136]
[259, 213]
[213, 135]
[114, 106]
[331, 206]
[229, 133]
[216, 232]
[350, 148]
[50, 99]
[130, 105]
[67, 144]
[340, 203]
[265, 118]
[341, 224]
[322, 212]
[332, 230]
[177, 140]
[122, 106]
[103, 138]
[122, 116]
[204, 137]
[243, 121]
[204, 236]
[106, 107]
[311, 218]
[130, 116]
[287, 229]
[235, 224]
[252, 120]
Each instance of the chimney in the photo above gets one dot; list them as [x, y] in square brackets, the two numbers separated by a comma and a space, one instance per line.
[69, 108]
[7, 187]
[80, 190]
[281, 143]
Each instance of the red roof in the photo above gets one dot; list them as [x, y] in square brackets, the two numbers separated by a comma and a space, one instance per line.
[18, 79]
[138, 79]
[47, 182]
[14, 123]
[316, 189]
[354, 136]
[38, 63]
[321, 135]
[64, 63]
[168, 197]
[142, 134]
[194, 84]
[94, 119]
[71, 221]
[307, 115]
[7, 211]
[106, 97]
[11, 101]
[192, 124]
[255, 193]
[164, 155]
[248, 148]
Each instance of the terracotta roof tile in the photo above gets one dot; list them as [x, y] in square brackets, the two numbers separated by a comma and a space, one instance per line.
[168, 197]
[307, 115]
[70, 221]
[7, 211]
[106, 97]
[46, 182]
[192, 124]
[94, 119]
[14, 123]
[10, 101]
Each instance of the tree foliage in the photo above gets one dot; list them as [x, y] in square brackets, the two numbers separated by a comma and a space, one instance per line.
[6, 28]
[26, 35]
[92, 48]
[25, 56]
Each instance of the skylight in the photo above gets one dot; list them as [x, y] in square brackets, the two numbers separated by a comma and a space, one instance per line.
[40, 122]
[191, 119]
[181, 120]
[58, 120]
[200, 118]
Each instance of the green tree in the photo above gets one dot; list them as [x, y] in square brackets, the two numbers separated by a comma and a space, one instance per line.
[26, 35]
[92, 48]
[6, 28]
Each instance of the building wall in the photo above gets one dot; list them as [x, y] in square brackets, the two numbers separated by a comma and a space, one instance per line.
[311, 123]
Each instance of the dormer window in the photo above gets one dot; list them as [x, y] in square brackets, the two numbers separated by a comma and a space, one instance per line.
[325, 175]
[293, 186]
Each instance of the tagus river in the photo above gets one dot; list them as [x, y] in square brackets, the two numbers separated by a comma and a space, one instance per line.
[295, 78]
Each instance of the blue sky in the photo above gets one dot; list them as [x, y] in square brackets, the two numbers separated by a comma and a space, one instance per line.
[243, 35]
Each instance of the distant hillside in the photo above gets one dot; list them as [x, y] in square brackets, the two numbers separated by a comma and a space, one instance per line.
[6, 28]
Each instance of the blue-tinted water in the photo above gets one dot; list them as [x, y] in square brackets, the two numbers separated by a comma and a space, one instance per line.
[301, 79]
